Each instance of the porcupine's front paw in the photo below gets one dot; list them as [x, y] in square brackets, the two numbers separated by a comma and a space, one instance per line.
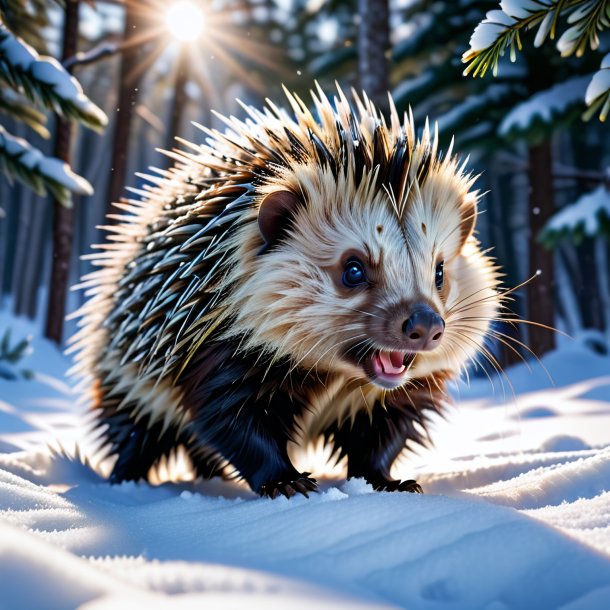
[304, 484]
[383, 484]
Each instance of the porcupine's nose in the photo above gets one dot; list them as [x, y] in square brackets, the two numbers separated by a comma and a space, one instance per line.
[424, 329]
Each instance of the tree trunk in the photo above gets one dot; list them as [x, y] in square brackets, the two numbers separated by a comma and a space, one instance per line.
[33, 269]
[62, 216]
[589, 295]
[374, 50]
[25, 198]
[587, 147]
[180, 99]
[128, 92]
[540, 293]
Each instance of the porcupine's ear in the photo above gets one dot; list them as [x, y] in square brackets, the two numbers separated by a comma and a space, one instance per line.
[276, 210]
[468, 212]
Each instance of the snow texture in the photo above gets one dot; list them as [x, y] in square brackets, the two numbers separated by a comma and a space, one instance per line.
[23, 58]
[522, 9]
[582, 16]
[49, 168]
[516, 515]
[489, 30]
[600, 83]
[584, 214]
[545, 106]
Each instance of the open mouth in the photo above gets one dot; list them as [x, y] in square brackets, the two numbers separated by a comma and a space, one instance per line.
[390, 368]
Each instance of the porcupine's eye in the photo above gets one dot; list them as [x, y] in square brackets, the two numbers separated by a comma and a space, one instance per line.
[354, 273]
[439, 276]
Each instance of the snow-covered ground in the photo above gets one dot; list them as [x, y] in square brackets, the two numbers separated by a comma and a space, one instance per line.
[516, 514]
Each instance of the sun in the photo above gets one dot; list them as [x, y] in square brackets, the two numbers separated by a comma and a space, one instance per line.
[184, 20]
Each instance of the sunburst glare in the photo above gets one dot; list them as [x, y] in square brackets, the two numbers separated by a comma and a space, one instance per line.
[184, 20]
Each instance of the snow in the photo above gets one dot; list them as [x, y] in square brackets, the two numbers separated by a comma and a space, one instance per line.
[50, 168]
[584, 214]
[489, 30]
[49, 71]
[544, 106]
[516, 514]
[544, 29]
[59, 171]
[600, 83]
[16, 52]
[408, 85]
[522, 9]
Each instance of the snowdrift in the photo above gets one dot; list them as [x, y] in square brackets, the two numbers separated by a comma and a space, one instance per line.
[516, 514]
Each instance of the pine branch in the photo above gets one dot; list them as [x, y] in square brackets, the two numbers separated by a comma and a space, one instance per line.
[490, 39]
[44, 81]
[99, 52]
[501, 29]
[587, 217]
[598, 92]
[19, 109]
[20, 160]
[592, 17]
[27, 19]
[10, 355]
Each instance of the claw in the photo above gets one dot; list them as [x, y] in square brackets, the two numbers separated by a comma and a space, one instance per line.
[409, 486]
[287, 490]
[302, 485]
[301, 488]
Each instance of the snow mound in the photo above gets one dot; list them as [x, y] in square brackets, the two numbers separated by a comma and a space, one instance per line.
[517, 512]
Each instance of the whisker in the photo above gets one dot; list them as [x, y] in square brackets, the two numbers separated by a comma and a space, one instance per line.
[518, 321]
[500, 295]
[474, 358]
[366, 313]
[490, 358]
[499, 337]
[315, 364]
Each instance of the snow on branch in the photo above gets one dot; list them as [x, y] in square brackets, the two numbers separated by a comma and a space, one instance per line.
[598, 91]
[544, 107]
[501, 30]
[19, 159]
[588, 216]
[43, 80]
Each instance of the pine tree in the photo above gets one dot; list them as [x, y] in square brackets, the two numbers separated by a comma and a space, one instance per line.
[501, 30]
[128, 86]
[32, 83]
[374, 51]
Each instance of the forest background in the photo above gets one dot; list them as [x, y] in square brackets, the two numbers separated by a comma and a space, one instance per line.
[534, 130]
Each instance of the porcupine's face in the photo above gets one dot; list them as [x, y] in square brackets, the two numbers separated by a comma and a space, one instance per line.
[357, 285]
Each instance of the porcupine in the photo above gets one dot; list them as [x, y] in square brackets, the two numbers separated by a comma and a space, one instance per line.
[313, 266]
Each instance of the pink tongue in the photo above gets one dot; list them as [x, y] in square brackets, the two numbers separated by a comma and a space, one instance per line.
[392, 362]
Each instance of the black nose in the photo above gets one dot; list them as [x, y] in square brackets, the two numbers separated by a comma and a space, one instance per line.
[424, 329]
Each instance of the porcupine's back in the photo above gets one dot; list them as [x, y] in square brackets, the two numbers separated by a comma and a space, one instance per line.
[160, 261]
[160, 266]
[156, 278]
